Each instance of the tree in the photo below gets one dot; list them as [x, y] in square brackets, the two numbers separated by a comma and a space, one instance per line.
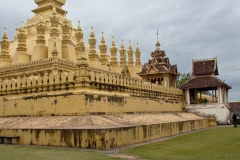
[183, 78]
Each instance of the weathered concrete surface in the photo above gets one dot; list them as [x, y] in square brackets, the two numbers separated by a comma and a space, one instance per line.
[99, 132]
[94, 122]
[219, 110]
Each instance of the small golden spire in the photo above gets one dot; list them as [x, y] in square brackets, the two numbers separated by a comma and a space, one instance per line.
[79, 26]
[130, 45]
[157, 44]
[122, 45]
[103, 39]
[54, 51]
[5, 36]
[23, 25]
[92, 33]
[113, 42]
[137, 48]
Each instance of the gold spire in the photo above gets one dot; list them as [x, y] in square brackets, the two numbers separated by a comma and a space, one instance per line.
[157, 44]
[40, 27]
[122, 45]
[130, 45]
[113, 50]
[5, 36]
[122, 56]
[113, 42]
[54, 51]
[137, 48]
[103, 49]
[23, 25]
[79, 26]
[92, 33]
[93, 56]
[103, 38]
[79, 36]
[4, 52]
[138, 55]
[65, 32]
[54, 32]
[130, 55]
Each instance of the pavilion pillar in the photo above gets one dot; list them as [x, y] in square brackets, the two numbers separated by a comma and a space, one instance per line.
[220, 94]
[224, 94]
[216, 100]
[227, 95]
[196, 96]
[187, 96]
[212, 96]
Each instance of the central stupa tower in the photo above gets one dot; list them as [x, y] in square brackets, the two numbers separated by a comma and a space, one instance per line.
[45, 8]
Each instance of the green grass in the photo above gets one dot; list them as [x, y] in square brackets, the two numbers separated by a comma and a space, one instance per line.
[211, 144]
[8, 152]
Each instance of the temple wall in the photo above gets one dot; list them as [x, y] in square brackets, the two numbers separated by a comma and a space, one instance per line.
[102, 138]
[51, 92]
[83, 103]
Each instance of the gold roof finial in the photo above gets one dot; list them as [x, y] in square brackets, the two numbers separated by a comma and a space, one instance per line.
[5, 36]
[122, 45]
[137, 48]
[113, 42]
[23, 25]
[79, 26]
[103, 39]
[92, 32]
[130, 45]
[157, 44]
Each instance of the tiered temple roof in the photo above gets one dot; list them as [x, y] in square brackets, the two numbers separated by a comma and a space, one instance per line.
[159, 69]
[159, 63]
[204, 75]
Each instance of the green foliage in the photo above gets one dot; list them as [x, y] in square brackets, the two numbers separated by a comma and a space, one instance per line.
[211, 144]
[183, 78]
[205, 100]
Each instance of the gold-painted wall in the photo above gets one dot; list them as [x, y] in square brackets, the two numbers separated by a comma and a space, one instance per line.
[83, 103]
[102, 138]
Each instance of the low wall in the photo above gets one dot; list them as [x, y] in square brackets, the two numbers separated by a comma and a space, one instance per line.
[219, 110]
[128, 130]
[85, 103]
[101, 138]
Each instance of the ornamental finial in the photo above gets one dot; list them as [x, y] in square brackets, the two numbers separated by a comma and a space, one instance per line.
[103, 38]
[5, 36]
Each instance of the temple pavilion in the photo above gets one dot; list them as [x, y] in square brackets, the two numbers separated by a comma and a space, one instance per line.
[204, 78]
[159, 69]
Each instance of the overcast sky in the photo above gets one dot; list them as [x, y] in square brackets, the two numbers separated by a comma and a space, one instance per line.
[188, 29]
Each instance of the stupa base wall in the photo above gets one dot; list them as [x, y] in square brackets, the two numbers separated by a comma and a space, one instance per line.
[84, 103]
[100, 136]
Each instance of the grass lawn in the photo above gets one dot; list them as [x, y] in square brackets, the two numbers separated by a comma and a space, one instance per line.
[211, 144]
[8, 152]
